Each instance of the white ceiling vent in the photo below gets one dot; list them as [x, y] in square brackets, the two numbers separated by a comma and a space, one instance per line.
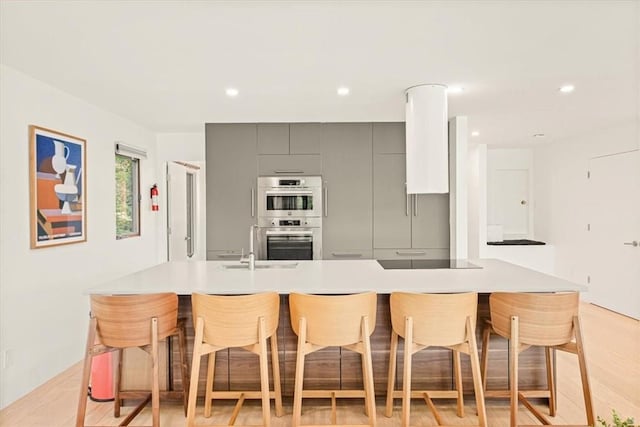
[427, 142]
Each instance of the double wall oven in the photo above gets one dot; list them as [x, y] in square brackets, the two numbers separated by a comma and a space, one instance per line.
[290, 218]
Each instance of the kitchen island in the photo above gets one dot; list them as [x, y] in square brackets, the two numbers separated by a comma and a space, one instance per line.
[335, 368]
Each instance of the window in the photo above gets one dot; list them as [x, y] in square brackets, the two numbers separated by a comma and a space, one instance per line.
[127, 196]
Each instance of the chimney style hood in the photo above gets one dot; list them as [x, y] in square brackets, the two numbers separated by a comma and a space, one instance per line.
[427, 145]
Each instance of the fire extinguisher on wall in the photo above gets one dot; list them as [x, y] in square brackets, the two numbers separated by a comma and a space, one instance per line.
[154, 198]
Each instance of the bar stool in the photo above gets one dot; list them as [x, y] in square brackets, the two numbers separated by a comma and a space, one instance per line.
[547, 320]
[426, 320]
[244, 321]
[345, 321]
[126, 321]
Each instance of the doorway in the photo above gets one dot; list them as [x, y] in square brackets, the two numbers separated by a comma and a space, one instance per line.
[184, 220]
[614, 232]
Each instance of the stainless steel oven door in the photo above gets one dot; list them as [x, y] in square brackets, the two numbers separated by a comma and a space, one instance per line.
[289, 243]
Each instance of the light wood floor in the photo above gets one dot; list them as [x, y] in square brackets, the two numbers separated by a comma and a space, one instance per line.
[613, 356]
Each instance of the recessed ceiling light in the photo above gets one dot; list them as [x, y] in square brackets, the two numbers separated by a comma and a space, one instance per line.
[343, 91]
[455, 89]
[539, 135]
[567, 88]
[232, 92]
[475, 133]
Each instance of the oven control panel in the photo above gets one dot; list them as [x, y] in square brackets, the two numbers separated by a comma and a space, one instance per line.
[289, 222]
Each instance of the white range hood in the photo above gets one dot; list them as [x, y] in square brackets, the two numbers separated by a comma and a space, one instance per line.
[427, 145]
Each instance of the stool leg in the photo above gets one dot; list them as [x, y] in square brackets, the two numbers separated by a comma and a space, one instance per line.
[458, 376]
[195, 372]
[297, 394]
[86, 373]
[116, 393]
[368, 377]
[275, 368]
[551, 383]
[486, 335]
[182, 344]
[208, 398]
[478, 388]
[264, 373]
[513, 370]
[155, 387]
[406, 379]
[586, 388]
[391, 379]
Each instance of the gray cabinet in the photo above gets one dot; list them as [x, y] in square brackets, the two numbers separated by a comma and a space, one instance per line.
[231, 151]
[273, 138]
[289, 164]
[347, 228]
[405, 226]
[305, 138]
[289, 149]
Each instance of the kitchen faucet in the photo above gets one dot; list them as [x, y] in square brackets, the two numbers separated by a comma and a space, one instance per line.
[251, 259]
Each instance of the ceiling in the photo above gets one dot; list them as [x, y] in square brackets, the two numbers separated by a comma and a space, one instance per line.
[166, 64]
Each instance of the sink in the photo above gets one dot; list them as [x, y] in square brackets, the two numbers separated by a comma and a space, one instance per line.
[260, 266]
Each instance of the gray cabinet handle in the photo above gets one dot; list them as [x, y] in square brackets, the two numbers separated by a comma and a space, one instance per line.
[410, 253]
[289, 171]
[415, 205]
[407, 197]
[253, 203]
[326, 201]
[634, 243]
[229, 255]
[346, 255]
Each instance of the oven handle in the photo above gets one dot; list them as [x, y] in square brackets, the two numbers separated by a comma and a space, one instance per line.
[288, 192]
[288, 233]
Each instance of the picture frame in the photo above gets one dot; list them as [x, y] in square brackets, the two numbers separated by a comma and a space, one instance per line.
[57, 188]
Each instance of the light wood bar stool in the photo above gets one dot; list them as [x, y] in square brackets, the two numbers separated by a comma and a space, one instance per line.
[244, 321]
[126, 321]
[547, 320]
[345, 321]
[426, 320]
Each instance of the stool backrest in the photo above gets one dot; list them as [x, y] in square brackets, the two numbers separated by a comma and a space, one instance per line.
[333, 320]
[125, 320]
[438, 319]
[232, 320]
[543, 319]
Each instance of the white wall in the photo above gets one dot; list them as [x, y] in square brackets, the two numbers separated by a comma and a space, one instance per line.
[561, 189]
[43, 305]
[187, 147]
[477, 217]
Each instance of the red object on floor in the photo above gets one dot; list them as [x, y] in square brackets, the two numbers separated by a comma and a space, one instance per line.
[101, 389]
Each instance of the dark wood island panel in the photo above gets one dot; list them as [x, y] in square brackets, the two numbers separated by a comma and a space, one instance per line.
[341, 369]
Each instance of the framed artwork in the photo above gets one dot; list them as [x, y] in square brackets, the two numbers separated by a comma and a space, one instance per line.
[57, 188]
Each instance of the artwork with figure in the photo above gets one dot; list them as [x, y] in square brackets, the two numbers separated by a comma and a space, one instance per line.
[57, 188]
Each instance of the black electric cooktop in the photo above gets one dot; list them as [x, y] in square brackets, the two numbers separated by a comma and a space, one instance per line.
[425, 264]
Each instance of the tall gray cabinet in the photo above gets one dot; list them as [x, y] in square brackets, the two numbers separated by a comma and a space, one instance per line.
[404, 226]
[231, 153]
[347, 228]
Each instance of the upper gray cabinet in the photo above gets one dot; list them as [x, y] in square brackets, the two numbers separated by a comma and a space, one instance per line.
[305, 138]
[389, 138]
[273, 138]
[231, 151]
[347, 229]
[289, 149]
[405, 226]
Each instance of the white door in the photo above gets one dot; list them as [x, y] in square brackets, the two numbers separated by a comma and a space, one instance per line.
[512, 202]
[615, 232]
[177, 238]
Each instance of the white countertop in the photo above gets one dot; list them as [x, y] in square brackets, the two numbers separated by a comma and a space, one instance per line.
[332, 277]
